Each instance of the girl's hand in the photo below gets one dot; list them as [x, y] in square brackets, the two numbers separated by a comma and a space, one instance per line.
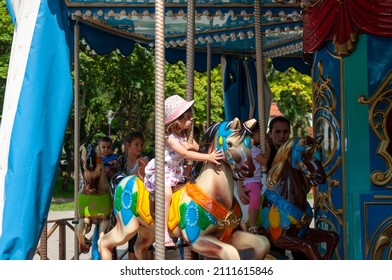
[216, 156]
[243, 193]
[142, 161]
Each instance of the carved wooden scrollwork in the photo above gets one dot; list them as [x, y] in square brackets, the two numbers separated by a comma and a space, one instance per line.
[328, 125]
[380, 120]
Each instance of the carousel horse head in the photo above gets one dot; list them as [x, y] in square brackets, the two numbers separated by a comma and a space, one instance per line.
[297, 167]
[92, 170]
[306, 156]
[286, 213]
[234, 139]
[204, 212]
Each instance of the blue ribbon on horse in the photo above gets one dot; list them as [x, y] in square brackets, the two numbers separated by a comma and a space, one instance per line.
[281, 203]
[296, 153]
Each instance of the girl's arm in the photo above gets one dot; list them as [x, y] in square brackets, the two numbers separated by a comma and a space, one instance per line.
[242, 192]
[213, 157]
[263, 158]
[191, 146]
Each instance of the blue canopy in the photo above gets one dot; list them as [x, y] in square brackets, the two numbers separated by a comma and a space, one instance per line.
[227, 25]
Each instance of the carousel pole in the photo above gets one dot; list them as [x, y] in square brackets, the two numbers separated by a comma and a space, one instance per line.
[260, 75]
[76, 135]
[208, 84]
[190, 50]
[190, 70]
[190, 57]
[159, 129]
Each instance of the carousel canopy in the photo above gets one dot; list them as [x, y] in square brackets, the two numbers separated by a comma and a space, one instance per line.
[227, 25]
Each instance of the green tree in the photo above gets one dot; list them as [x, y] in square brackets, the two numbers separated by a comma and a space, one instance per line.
[292, 91]
[124, 84]
[6, 33]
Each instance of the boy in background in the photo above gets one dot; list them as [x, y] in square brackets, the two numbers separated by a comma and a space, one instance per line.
[109, 159]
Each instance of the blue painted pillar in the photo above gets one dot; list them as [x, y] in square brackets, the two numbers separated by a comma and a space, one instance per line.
[352, 106]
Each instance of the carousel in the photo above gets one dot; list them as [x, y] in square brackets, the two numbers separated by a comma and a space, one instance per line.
[343, 45]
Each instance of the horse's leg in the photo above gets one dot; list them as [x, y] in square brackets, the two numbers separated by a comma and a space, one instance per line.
[144, 240]
[99, 231]
[94, 247]
[244, 240]
[117, 236]
[331, 238]
[289, 242]
[211, 247]
[81, 232]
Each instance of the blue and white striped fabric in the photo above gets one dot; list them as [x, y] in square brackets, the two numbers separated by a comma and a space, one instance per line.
[37, 105]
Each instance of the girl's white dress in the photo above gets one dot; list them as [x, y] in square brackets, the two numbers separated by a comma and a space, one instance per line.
[174, 167]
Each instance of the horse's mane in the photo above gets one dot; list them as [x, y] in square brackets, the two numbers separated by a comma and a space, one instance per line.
[204, 147]
[280, 160]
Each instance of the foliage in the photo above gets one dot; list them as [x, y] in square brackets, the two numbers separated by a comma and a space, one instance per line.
[6, 33]
[293, 93]
[123, 84]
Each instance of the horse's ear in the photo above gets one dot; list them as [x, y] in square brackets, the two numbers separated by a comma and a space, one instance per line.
[98, 151]
[83, 153]
[236, 124]
[250, 124]
[319, 139]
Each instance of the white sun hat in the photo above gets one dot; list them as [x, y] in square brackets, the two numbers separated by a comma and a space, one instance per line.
[175, 106]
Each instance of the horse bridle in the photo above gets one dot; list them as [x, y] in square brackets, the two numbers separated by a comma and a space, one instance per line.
[296, 158]
[221, 143]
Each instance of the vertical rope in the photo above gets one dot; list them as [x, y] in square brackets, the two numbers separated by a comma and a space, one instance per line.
[208, 84]
[76, 134]
[190, 70]
[190, 50]
[159, 129]
[260, 74]
[190, 58]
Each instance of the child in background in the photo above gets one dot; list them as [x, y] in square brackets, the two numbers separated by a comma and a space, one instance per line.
[109, 159]
[132, 163]
[178, 118]
[252, 186]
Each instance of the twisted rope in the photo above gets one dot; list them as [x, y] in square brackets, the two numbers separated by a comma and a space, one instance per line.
[159, 129]
[76, 133]
[190, 67]
[260, 74]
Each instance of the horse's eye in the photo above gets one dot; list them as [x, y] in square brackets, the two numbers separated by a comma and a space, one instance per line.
[229, 144]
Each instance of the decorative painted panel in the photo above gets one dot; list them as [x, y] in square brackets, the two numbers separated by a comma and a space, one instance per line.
[377, 226]
[326, 109]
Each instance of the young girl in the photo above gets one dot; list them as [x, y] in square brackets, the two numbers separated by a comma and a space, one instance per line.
[131, 163]
[252, 186]
[178, 119]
